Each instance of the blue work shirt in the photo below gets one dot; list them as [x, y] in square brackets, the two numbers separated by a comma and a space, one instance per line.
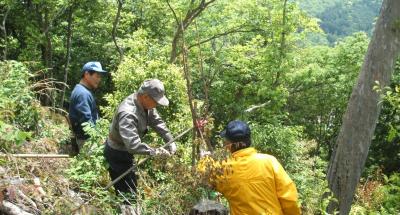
[82, 109]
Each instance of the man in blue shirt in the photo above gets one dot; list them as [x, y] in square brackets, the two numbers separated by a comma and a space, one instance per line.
[82, 103]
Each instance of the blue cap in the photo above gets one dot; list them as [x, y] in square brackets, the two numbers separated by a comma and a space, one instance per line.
[236, 131]
[93, 66]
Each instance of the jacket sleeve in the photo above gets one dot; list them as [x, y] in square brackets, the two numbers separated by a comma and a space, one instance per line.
[83, 109]
[127, 124]
[286, 190]
[159, 125]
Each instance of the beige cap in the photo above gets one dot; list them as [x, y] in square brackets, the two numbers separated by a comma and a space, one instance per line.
[155, 89]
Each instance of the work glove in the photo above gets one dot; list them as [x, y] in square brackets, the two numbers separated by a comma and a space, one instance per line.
[161, 152]
[204, 153]
[172, 148]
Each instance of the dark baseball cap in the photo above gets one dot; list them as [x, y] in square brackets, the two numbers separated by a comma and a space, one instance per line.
[236, 131]
[155, 89]
[93, 66]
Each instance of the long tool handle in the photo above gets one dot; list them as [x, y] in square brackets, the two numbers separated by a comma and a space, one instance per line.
[36, 155]
[144, 160]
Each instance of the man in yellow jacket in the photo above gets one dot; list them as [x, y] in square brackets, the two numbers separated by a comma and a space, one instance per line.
[253, 183]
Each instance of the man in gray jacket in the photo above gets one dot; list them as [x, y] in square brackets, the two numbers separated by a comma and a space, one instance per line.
[128, 127]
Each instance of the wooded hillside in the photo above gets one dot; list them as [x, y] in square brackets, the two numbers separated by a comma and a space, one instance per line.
[288, 68]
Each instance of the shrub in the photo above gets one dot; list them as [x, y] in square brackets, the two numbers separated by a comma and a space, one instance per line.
[391, 197]
[11, 136]
[279, 141]
[145, 60]
[18, 105]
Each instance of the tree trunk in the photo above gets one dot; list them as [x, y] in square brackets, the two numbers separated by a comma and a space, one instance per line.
[68, 54]
[46, 46]
[48, 55]
[282, 48]
[114, 30]
[362, 112]
[4, 30]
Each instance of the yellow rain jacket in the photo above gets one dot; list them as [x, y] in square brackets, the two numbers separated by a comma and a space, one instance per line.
[255, 184]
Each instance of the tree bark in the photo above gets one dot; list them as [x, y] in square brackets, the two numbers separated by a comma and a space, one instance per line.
[68, 54]
[363, 109]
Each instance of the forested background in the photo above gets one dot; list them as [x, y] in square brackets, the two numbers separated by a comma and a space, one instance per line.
[286, 67]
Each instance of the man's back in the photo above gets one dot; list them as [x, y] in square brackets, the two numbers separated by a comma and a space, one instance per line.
[256, 183]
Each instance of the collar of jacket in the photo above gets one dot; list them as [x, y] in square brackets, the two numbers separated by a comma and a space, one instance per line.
[86, 87]
[244, 152]
[138, 105]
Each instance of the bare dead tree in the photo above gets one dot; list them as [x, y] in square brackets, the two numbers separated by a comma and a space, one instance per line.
[359, 121]
[114, 30]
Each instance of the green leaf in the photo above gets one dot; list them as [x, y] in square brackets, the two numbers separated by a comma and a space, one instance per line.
[392, 134]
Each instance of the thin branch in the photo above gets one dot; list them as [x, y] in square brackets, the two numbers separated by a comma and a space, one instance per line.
[235, 30]
[191, 15]
[57, 15]
[254, 107]
[186, 71]
[173, 12]
[183, 25]
[206, 89]
[203, 76]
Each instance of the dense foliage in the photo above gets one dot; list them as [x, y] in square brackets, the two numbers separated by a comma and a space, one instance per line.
[249, 60]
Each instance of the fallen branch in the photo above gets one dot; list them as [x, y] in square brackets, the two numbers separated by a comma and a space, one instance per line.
[36, 155]
[39, 188]
[27, 199]
[12, 181]
[11, 209]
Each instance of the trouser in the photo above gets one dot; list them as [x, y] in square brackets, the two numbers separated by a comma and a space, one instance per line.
[80, 143]
[119, 162]
[76, 145]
